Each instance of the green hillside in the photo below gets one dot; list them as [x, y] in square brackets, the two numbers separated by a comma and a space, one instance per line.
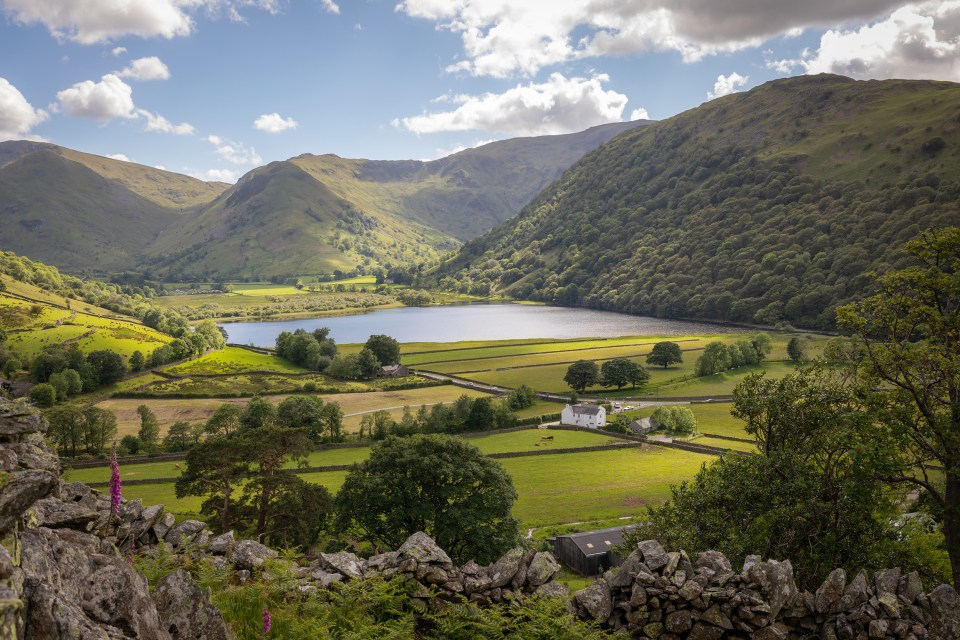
[766, 206]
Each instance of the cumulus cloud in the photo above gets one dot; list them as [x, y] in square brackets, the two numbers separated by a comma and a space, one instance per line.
[274, 123]
[331, 6]
[639, 114]
[150, 68]
[725, 85]
[217, 175]
[110, 98]
[234, 151]
[501, 37]
[559, 105]
[17, 116]
[118, 51]
[916, 41]
[156, 122]
[118, 156]
[93, 21]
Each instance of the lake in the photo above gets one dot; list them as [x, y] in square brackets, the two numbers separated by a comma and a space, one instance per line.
[473, 322]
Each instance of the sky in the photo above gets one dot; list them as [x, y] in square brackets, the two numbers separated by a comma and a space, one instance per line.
[215, 88]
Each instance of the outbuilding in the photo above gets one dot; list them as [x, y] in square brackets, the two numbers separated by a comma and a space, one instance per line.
[590, 553]
[395, 371]
[592, 416]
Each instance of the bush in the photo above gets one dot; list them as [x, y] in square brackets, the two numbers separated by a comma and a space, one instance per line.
[678, 420]
[44, 394]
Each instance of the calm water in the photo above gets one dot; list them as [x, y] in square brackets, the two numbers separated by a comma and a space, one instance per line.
[472, 322]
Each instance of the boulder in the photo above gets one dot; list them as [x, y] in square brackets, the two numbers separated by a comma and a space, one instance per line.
[776, 580]
[21, 490]
[553, 590]
[679, 621]
[654, 555]
[344, 563]
[944, 613]
[503, 570]
[624, 575]
[19, 419]
[186, 611]
[183, 533]
[595, 599]
[855, 594]
[163, 525]
[55, 513]
[249, 554]
[221, 545]
[422, 548]
[543, 568]
[830, 592]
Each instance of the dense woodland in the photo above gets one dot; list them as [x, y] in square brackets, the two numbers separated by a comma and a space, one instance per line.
[770, 206]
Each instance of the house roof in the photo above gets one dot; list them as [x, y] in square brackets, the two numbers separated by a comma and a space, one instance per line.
[600, 541]
[586, 409]
[391, 367]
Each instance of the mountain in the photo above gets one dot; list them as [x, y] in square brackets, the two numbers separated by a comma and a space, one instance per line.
[306, 215]
[87, 213]
[766, 206]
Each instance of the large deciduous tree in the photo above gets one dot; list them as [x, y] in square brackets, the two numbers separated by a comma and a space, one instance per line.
[582, 374]
[620, 372]
[438, 484]
[908, 336]
[385, 348]
[665, 354]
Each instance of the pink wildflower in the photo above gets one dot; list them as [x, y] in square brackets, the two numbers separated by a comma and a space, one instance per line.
[115, 492]
[266, 621]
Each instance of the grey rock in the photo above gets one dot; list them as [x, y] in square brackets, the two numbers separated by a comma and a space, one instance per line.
[186, 611]
[249, 554]
[713, 560]
[690, 591]
[673, 561]
[887, 581]
[855, 594]
[543, 568]
[878, 628]
[910, 587]
[553, 590]
[221, 545]
[326, 579]
[520, 577]
[163, 525]
[422, 548]
[184, 533]
[748, 562]
[149, 517]
[382, 561]
[715, 616]
[702, 631]
[776, 580]
[776, 631]
[18, 419]
[345, 563]
[502, 571]
[654, 556]
[888, 602]
[6, 563]
[35, 456]
[595, 599]
[627, 571]
[944, 613]
[679, 621]
[830, 591]
[55, 513]
[23, 488]
[638, 596]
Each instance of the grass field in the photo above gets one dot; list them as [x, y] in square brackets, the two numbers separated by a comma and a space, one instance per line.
[234, 360]
[726, 444]
[714, 417]
[555, 489]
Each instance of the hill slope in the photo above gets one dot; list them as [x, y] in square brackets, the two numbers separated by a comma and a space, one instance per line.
[766, 206]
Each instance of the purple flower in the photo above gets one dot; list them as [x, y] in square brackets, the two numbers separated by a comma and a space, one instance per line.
[266, 621]
[115, 492]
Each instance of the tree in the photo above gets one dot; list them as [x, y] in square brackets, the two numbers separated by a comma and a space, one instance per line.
[67, 383]
[795, 349]
[225, 420]
[385, 348]
[368, 364]
[620, 372]
[99, 429]
[129, 445]
[66, 429]
[675, 419]
[108, 367]
[270, 448]
[908, 358]
[582, 374]
[215, 468]
[149, 432]
[481, 416]
[302, 412]
[438, 484]
[345, 367]
[762, 344]
[715, 359]
[258, 414]
[44, 394]
[664, 354]
[11, 367]
[179, 436]
[521, 398]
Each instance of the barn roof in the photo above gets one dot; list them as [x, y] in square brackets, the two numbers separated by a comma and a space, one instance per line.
[599, 541]
[586, 409]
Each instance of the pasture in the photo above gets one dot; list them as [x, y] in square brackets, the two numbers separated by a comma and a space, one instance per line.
[233, 360]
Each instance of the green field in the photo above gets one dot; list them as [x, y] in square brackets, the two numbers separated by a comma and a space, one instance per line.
[234, 360]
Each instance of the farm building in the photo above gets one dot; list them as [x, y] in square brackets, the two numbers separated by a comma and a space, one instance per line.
[642, 427]
[590, 553]
[395, 371]
[584, 415]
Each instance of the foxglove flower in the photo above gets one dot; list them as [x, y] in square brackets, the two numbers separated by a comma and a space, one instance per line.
[115, 492]
[266, 622]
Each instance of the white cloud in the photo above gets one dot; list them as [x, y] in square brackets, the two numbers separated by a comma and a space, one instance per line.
[639, 114]
[93, 21]
[118, 156]
[151, 68]
[443, 153]
[503, 37]
[559, 105]
[916, 41]
[118, 51]
[234, 151]
[17, 116]
[725, 85]
[156, 122]
[331, 6]
[110, 98]
[215, 175]
[274, 123]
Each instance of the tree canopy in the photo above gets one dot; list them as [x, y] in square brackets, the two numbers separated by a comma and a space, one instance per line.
[582, 374]
[438, 484]
[665, 354]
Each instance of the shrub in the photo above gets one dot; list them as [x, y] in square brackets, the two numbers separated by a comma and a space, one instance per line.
[44, 394]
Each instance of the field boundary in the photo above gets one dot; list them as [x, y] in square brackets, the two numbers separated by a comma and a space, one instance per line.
[730, 438]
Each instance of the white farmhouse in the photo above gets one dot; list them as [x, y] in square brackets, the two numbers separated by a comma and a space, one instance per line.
[584, 415]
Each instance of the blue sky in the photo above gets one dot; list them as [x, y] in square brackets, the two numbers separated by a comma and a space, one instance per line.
[214, 88]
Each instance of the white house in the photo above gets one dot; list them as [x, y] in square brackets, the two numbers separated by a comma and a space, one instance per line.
[584, 415]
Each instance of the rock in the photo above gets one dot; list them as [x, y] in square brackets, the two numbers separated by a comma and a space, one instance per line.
[623, 576]
[855, 594]
[702, 631]
[326, 579]
[595, 599]
[638, 596]
[713, 560]
[520, 577]
[6, 563]
[678, 621]
[71, 590]
[690, 591]
[553, 590]
[910, 587]
[888, 602]
[944, 613]
[776, 631]
[34, 456]
[502, 571]
[55, 513]
[186, 611]
[21, 490]
[878, 628]
[184, 532]
[715, 616]
[543, 568]
[222, 544]
[18, 419]
[345, 563]
[249, 554]
[148, 518]
[422, 548]
[673, 561]
[654, 556]
[887, 581]
[830, 591]
[163, 525]
[653, 630]
[382, 561]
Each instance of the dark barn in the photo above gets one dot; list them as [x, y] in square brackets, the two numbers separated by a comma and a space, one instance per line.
[590, 553]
